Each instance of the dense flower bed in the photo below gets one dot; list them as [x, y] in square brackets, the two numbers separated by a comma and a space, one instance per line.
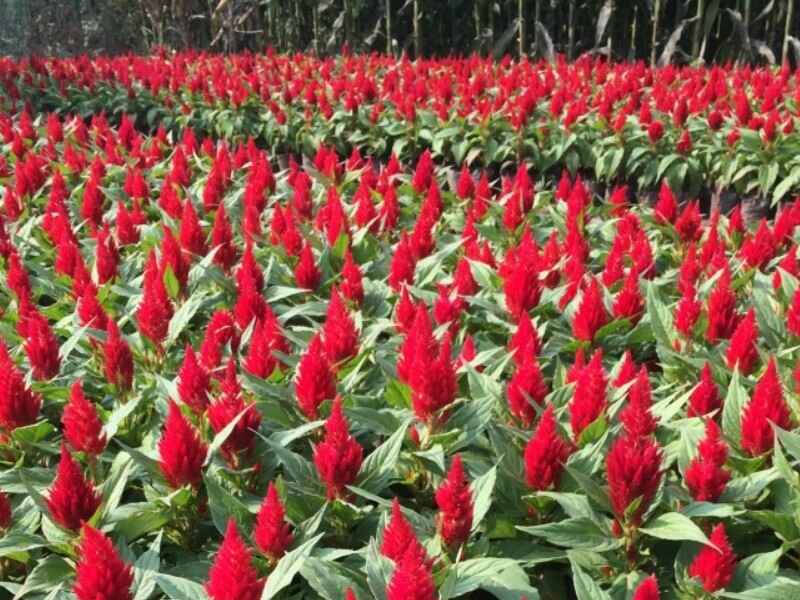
[723, 127]
[346, 379]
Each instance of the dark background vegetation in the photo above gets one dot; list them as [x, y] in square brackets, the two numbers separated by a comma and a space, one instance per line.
[756, 31]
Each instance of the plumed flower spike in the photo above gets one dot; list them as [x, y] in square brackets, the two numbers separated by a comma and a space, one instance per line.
[636, 417]
[182, 451]
[454, 500]
[101, 574]
[398, 535]
[339, 334]
[19, 406]
[714, 567]
[589, 400]
[193, 382]
[315, 381]
[155, 309]
[233, 576]
[338, 458]
[591, 314]
[72, 499]
[705, 396]
[6, 512]
[272, 533]
[41, 346]
[526, 385]
[412, 579]
[706, 476]
[545, 454]
[82, 426]
[647, 590]
[743, 351]
[350, 594]
[633, 470]
[117, 358]
[767, 407]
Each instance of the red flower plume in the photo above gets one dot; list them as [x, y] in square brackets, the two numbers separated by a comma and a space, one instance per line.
[647, 590]
[193, 382]
[100, 573]
[82, 427]
[155, 310]
[338, 458]
[412, 578]
[182, 451]
[666, 208]
[41, 346]
[633, 470]
[19, 406]
[454, 499]
[589, 400]
[306, 273]
[272, 533]
[117, 358]
[233, 576]
[743, 351]
[714, 567]
[398, 535]
[591, 314]
[706, 476]
[226, 408]
[545, 454]
[352, 287]
[636, 418]
[705, 396]
[72, 499]
[339, 334]
[526, 385]
[315, 381]
[767, 406]
[525, 340]
[628, 303]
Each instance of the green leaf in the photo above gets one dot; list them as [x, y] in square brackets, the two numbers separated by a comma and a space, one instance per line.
[288, 566]
[378, 467]
[225, 506]
[146, 570]
[578, 532]
[482, 489]
[585, 587]
[178, 588]
[379, 571]
[674, 526]
[469, 575]
[735, 401]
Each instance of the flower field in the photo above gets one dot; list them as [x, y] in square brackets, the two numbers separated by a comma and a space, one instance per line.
[299, 328]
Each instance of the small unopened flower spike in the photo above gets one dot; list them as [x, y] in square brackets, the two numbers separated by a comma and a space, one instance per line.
[100, 573]
[714, 568]
[233, 576]
[647, 590]
[454, 500]
[272, 533]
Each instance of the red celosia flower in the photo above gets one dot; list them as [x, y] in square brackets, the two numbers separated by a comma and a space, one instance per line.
[17, 277]
[127, 233]
[191, 234]
[722, 315]
[454, 499]
[793, 315]
[714, 567]
[743, 351]
[647, 590]
[525, 340]
[339, 334]
[41, 346]
[226, 408]
[465, 185]
[589, 400]
[687, 312]
[106, 256]
[306, 273]
[545, 454]
[173, 257]
[233, 576]
[272, 534]
[629, 303]
[351, 286]
[349, 594]
[757, 250]
[432, 380]
[6, 511]
[90, 311]
[72, 499]
[82, 426]
[526, 385]
[100, 573]
[221, 330]
[655, 131]
[767, 407]
[398, 535]
[222, 240]
[193, 382]
[689, 223]
[666, 208]
[338, 457]
[705, 396]
[419, 341]
[633, 469]
[423, 175]
[403, 264]
[706, 476]
[636, 418]
[267, 338]
[627, 371]
[117, 358]
[412, 578]
[591, 314]
[182, 451]
[521, 288]
[315, 381]
[155, 310]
